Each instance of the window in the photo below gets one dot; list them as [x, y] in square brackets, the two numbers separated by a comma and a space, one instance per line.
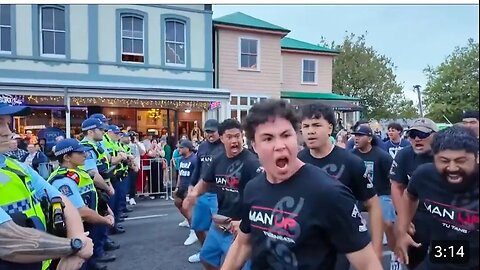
[175, 36]
[233, 100]
[243, 100]
[248, 53]
[132, 39]
[53, 31]
[5, 29]
[309, 71]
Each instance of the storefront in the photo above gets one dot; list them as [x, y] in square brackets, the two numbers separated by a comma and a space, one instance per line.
[156, 111]
[347, 109]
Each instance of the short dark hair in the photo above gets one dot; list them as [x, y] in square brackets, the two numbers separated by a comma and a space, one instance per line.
[318, 110]
[267, 110]
[229, 124]
[395, 125]
[455, 138]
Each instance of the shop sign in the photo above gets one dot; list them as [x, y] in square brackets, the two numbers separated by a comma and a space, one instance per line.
[214, 105]
[12, 99]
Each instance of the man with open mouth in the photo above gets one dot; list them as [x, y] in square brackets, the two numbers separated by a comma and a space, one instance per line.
[295, 216]
[448, 188]
[405, 163]
[318, 123]
[229, 172]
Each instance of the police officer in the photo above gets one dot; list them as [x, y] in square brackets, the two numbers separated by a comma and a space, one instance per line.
[130, 165]
[119, 159]
[97, 165]
[24, 243]
[76, 184]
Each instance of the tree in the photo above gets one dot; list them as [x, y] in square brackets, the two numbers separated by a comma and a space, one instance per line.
[452, 87]
[360, 71]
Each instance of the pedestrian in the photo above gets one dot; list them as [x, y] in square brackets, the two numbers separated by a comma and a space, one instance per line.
[449, 189]
[406, 161]
[318, 122]
[188, 167]
[378, 163]
[394, 142]
[294, 215]
[14, 151]
[229, 172]
[470, 120]
[207, 203]
[24, 243]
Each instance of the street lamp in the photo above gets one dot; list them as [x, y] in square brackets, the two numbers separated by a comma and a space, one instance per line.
[419, 94]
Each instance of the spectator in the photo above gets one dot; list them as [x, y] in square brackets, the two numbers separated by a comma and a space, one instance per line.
[176, 161]
[15, 152]
[166, 148]
[37, 160]
[137, 150]
[156, 155]
[342, 138]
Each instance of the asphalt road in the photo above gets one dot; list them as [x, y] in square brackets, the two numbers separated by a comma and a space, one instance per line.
[154, 241]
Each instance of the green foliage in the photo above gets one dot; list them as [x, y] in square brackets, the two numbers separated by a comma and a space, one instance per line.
[360, 71]
[452, 86]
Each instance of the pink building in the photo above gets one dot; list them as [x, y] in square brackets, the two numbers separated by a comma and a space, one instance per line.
[255, 59]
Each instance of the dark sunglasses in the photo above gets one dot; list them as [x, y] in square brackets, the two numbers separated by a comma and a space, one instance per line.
[417, 133]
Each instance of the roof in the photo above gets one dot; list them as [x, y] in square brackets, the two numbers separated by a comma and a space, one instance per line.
[290, 43]
[309, 95]
[243, 20]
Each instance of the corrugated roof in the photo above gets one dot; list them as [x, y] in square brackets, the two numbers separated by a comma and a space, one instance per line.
[290, 43]
[244, 20]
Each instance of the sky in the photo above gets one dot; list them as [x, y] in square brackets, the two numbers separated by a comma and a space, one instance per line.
[413, 36]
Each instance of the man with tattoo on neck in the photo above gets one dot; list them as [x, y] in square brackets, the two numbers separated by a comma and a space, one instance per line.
[24, 243]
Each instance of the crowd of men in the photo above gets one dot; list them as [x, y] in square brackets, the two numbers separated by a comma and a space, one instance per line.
[271, 207]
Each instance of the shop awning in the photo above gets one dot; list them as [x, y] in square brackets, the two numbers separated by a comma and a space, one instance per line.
[106, 89]
[336, 101]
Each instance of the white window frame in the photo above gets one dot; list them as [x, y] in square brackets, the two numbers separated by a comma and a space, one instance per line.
[54, 31]
[240, 54]
[315, 76]
[132, 38]
[176, 42]
[238, 108]
[11, 29]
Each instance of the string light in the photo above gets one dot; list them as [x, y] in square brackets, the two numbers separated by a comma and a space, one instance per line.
[122, 102]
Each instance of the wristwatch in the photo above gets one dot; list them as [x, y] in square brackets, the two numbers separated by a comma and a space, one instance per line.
[76, 244]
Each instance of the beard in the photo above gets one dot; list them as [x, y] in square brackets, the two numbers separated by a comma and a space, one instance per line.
[468, 181]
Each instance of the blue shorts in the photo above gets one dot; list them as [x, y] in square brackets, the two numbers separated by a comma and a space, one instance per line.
[204, 209]
[388, 211]
[216, 246]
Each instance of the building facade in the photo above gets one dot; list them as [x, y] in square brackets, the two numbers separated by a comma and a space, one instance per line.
[255, 59]
[148, 67]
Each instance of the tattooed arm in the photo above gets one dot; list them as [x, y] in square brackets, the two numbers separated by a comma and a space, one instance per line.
[27, 245]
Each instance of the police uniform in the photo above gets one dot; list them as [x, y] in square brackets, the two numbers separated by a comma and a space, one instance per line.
[21, 191]
[97, 159]
[76, 184]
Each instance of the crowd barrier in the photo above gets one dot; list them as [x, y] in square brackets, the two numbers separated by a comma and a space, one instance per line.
[155, 178]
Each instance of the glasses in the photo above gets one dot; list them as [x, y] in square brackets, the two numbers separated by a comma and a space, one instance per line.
[420, 134]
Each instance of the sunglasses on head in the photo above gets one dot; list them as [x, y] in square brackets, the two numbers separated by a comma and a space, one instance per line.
[420, 134]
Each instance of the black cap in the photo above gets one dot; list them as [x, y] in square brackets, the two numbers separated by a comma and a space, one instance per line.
[211, 125]
[186, 144]
[470, 114]
[363, 130]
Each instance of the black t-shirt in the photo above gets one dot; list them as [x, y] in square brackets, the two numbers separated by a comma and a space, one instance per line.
[378, 164]
[296, 225]
[230, 175]
[451, 216]
[345, 167]
[405, 163]
[206, 151]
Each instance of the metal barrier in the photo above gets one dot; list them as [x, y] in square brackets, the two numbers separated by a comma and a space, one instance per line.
[150, 181]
